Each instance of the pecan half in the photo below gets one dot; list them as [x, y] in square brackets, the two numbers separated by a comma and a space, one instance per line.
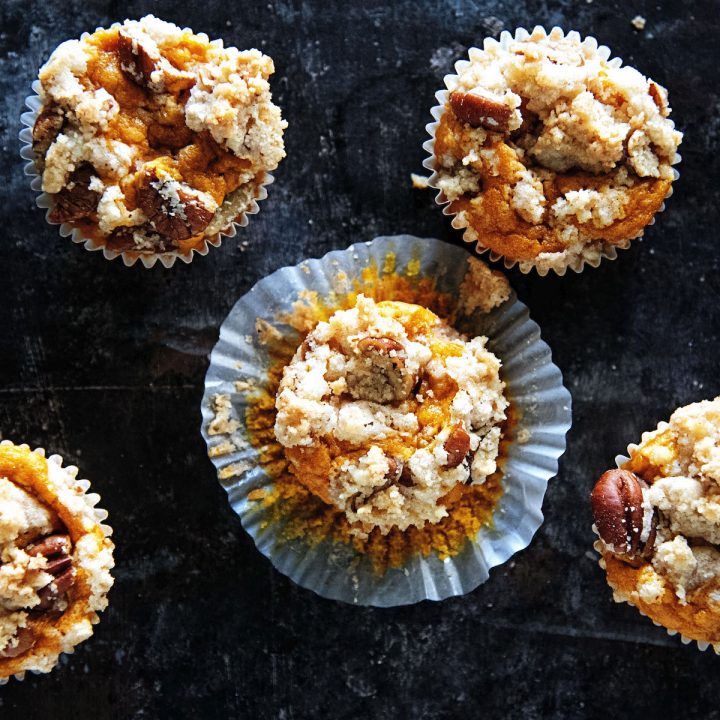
[77, 200]
[457, 446]
[143, 63]
[617, 505]
[25, 640]
[56, 550]
[480, 110]
[47, 127]
[175, 210]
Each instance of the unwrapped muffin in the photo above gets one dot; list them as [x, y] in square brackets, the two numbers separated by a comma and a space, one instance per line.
[548, 153]
[55, 560]
[658, 518]
[151, 139]
[386, 412]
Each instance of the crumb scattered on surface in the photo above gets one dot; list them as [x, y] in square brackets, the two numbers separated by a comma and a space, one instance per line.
[638, 22]
[419, 182]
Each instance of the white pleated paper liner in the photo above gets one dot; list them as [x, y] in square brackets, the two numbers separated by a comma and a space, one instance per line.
[608, 250]
[702, 645]
[129, 257]
[92, 499]
[534, 387]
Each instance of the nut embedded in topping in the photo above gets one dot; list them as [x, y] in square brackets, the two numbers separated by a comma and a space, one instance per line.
[77, 200]
[457, 446]
[175, 210]
[480, 110]
[46, 129]
[25, 640]
[144, 64]
[617, 504]
[56, 550]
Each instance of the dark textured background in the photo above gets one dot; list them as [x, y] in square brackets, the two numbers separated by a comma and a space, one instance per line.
[105, 364]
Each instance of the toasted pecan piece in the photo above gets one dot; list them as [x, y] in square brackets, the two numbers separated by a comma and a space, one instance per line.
[480, 110]
[75, 201]
[143, 63]
[617, 505]
[25, 640]
[175, 210]
[457, 446]
[45, 130]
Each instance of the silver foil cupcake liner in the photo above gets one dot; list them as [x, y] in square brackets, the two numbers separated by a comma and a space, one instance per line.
[702, 645]
[129, 257]
[92, 500]
[533, 385]
[608, 251]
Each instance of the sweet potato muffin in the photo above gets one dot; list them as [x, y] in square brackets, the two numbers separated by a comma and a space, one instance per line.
[151, 138]
[548, 153]
[55, 561]
[658, 518]
[386, 411]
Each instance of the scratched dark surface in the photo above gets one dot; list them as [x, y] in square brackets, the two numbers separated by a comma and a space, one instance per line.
[105, 364]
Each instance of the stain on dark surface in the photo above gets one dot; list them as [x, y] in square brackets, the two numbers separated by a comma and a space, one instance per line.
[104, 364]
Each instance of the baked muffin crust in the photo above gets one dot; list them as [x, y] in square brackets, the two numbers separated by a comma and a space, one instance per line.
[150, 137]
[386, 411]
[547, 152]
[55, 561]
[675, 579]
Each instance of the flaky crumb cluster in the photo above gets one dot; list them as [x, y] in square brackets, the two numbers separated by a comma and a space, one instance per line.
[152, 137]
[55, 561]
[546, 150]
[385, 411]
[685, 457]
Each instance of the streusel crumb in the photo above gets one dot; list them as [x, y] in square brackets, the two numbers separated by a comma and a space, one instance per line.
[548, 153]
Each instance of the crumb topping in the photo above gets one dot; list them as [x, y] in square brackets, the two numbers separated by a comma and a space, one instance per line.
[54, 561]
[546, 150]
[681, 462]
[385, 410]
[149, 137]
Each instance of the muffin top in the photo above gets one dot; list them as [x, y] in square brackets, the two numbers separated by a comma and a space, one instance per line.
[659, 522]
[150, 138]
[385, 411]
[55, 561]
[546, 150]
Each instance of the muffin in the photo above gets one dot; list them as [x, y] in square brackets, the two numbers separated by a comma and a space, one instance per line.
[658, 518]
[367, 435]
[151, 139]
[55, 560]
[549, 154]
[387, 413]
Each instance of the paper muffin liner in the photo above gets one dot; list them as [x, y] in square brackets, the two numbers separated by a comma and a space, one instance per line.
[533, 386]
[129, 257]
[608, 250]
[702, 645]
[92, 500]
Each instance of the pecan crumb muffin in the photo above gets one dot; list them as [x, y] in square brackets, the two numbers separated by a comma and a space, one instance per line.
[55, 561]
[151, 139]
[386, 412]
[658, 518]
[548, 153]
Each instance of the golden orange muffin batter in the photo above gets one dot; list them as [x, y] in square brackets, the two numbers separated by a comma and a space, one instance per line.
[55, 561]
[658, 518]
[151, 138]
[548, 154]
